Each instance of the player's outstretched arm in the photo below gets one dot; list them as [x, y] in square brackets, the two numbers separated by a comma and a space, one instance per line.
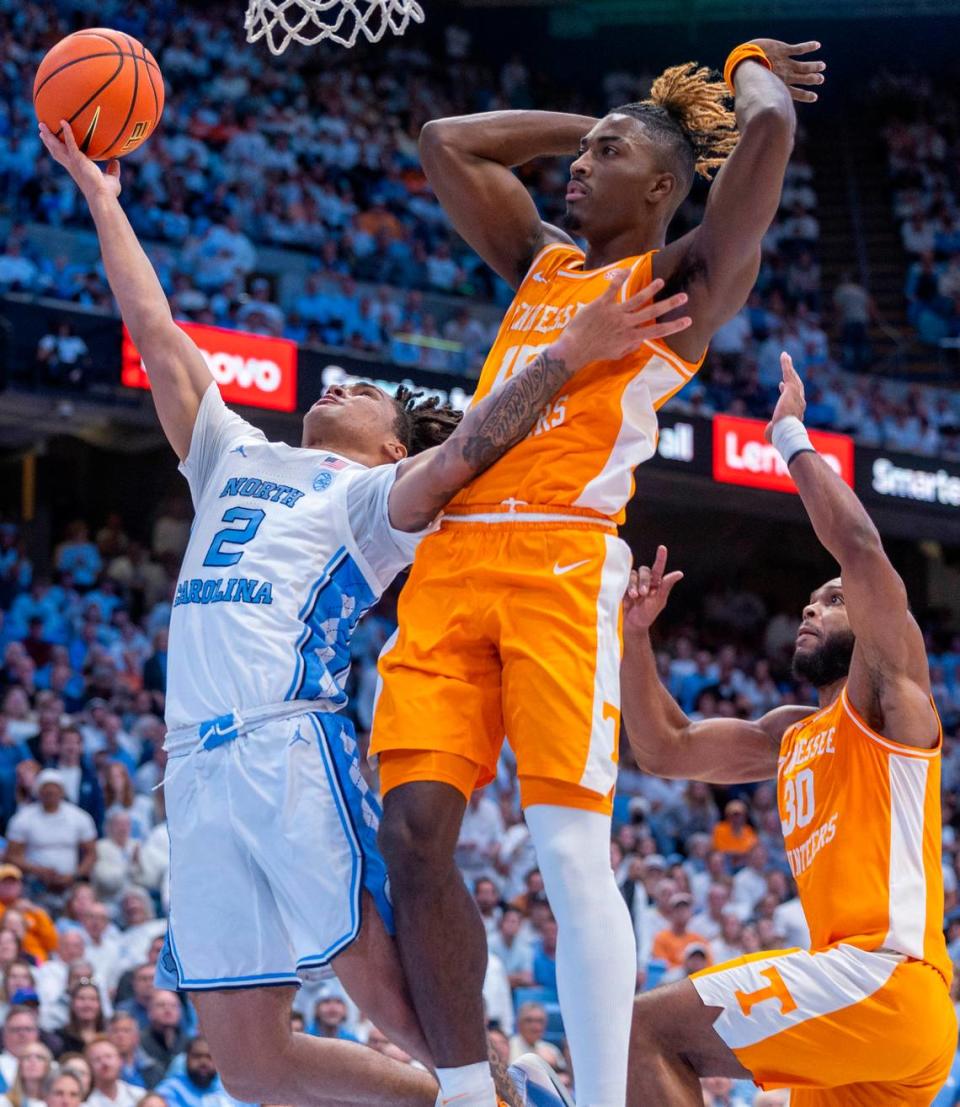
[178, 374]
[721, 258]
[664, 740]
[604, 330]
[889, 676]
[468, 161]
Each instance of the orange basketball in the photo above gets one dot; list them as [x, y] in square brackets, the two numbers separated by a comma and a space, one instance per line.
[107, 85]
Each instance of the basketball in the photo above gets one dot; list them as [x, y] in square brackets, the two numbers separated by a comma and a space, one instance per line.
[107, 85]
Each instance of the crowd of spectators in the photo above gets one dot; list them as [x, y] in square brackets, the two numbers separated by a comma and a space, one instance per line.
[246, 160]
[923, 154]
[83, 878]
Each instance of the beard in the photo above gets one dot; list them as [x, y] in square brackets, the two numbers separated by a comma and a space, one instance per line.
[828, 663]
[202, 1079]
[571, 221]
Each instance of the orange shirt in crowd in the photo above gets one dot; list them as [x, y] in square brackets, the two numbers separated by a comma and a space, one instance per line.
[670, 947]
[727, 840]
[41, 938]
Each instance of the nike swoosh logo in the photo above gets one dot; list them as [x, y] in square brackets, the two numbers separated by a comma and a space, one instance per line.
[559, 570]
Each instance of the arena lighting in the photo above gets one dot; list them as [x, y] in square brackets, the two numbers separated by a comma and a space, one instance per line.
[251, 369]
[741, 455]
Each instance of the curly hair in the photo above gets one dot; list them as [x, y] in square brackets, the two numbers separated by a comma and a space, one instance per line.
[422, 423]
[687, 111]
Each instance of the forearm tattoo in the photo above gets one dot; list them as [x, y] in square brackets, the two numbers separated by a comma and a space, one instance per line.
[493, 426]
[488, 432]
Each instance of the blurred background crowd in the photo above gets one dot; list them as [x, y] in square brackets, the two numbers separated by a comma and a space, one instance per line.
[289, 200]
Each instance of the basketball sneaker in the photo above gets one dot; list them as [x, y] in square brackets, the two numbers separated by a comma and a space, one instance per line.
[537, 1084]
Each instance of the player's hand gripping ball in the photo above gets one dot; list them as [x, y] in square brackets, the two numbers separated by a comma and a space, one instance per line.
[106, 85]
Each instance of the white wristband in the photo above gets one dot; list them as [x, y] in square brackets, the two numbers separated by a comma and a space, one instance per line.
[790, 438]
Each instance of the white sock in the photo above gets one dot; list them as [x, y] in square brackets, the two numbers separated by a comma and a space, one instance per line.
[596, 948]
[467, 1086]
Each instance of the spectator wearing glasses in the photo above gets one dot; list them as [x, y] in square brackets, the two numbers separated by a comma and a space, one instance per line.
[20, 1031]
[36, 1064]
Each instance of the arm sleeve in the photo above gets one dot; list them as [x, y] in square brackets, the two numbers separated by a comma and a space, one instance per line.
[387, 550]
[216, 431]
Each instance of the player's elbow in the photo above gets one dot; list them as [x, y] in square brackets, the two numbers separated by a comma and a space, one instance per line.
[435, 135]
[775, 125]
[858, 542]
[654, 753]
[153, 333]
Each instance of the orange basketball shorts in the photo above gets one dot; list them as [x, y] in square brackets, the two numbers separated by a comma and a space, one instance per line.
[843, 1027]
[508, 629]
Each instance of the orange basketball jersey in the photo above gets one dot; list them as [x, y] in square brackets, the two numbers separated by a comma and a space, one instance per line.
[862, 825]
[588, 441]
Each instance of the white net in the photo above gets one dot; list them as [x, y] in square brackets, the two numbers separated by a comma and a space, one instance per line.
[341, 21]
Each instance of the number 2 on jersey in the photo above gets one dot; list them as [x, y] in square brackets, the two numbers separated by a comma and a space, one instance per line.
[251, 517]
[798, 801]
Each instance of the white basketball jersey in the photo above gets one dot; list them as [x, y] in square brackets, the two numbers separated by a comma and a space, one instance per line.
[289, 547]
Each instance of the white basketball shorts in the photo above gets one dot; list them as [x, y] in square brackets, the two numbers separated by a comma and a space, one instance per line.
[272, 843]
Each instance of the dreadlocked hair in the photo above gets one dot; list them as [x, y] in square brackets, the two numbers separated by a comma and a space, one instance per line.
[688, 109]
[422, 423]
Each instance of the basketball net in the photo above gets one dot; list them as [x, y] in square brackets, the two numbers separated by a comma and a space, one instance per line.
[341, 21]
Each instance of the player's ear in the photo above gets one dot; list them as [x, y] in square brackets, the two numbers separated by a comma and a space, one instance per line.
[661, 188]
[394, 450]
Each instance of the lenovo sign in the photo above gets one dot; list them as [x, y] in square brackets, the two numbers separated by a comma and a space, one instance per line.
[741, 455]
[251, 370]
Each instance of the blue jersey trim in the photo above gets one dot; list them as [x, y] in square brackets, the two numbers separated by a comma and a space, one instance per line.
[363, 808]
[356, 874]
[238, 983]
[334, 606]
[304, 616]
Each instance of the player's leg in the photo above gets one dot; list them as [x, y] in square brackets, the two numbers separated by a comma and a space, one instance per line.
[261, 1060]
[842, 1027]
[561, 650]
[266, 799]
[672, 1044]
[436, 729]
[442, 941]
[370, 972]
[596, 947]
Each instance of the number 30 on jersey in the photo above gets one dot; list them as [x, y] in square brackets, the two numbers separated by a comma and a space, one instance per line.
[798, 801]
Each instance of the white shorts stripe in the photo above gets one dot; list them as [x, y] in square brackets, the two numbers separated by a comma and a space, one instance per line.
[600, 771]
[908, 882]
[772, 994]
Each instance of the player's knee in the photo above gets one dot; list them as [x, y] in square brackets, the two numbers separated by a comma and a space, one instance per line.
[250, 1079]
[410, 842]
